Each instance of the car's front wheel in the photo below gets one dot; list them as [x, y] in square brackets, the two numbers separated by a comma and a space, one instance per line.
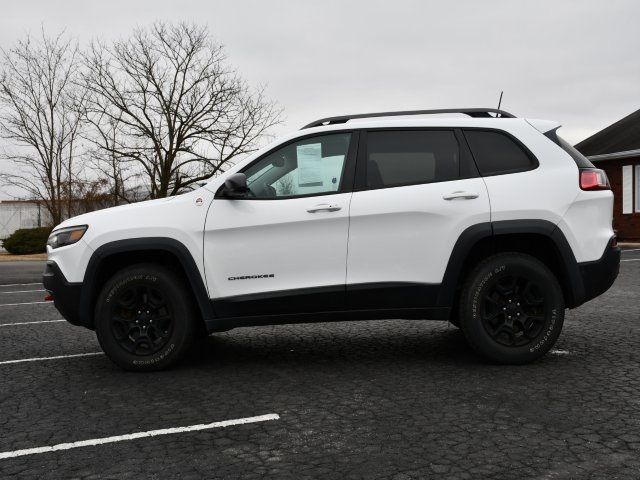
[144, 318]
[511, 308]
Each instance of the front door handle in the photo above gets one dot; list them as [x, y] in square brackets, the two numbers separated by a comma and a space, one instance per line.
[462, 195]
[326, 207]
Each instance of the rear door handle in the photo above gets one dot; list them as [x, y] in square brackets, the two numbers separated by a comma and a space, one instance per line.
[326, 207]
[461, 194]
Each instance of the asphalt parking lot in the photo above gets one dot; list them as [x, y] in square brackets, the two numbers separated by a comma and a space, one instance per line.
[380, 399]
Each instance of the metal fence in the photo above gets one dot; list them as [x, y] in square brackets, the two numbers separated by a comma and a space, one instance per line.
[19, 214]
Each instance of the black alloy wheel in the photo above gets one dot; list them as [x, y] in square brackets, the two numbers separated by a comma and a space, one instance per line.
[513, 310]
[141, 319]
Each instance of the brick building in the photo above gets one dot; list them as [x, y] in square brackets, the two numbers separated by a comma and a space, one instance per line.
[616, 150]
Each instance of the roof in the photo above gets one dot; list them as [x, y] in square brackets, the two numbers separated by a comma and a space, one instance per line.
[471, 112]
[621, 136]
[431, 121]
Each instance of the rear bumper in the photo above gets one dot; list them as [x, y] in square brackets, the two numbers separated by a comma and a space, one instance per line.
[66, 295]
[599, 275]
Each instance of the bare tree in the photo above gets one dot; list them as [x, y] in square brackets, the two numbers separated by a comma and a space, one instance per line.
[41, 111]
[179, 113]
[114, 171]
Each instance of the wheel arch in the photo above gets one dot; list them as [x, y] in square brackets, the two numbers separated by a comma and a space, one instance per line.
[113, 256]
[538, 238]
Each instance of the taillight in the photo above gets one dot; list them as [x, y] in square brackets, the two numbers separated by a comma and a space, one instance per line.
[594, 179]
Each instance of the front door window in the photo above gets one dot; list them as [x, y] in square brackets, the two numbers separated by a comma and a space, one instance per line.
[313, 166]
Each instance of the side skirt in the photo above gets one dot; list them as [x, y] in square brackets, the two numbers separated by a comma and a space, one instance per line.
[332, 303]
[228, 323]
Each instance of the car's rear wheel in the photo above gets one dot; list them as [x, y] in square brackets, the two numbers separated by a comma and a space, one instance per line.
[511, 308]
[144, 318]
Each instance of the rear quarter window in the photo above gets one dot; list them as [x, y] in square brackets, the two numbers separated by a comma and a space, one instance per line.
[580, 159]
[496, 153]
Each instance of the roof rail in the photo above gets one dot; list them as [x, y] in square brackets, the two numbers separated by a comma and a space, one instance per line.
[472, 112]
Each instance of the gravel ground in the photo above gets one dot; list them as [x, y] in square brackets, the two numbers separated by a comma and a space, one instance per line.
[381, 399]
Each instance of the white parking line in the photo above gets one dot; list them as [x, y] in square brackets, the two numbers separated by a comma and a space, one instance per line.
[135, 436]
[631, 250]
[19, 284]
[631, 260]
[59, 357]
[30, 323]
[25, 303]
[24, 291]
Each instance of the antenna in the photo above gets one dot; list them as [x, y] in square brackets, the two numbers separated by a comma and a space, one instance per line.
[500, 100]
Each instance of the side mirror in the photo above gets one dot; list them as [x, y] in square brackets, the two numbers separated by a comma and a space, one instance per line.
[236, 185]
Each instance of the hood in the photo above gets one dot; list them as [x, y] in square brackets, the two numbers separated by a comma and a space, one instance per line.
[130, 210]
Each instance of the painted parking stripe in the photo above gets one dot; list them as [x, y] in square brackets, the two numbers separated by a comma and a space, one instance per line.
[631, 250]
[24, 303]
[19, 284]
[134, 436]
[58, 357]
[30, 323]
[24, 291]
[631, 260]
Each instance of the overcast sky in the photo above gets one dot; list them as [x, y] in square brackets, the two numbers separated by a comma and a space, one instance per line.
[577, 62]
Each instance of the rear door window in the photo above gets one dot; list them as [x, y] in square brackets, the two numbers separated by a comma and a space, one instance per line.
[396, 157]
[496, 153]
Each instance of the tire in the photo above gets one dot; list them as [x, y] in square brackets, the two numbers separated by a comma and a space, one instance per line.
[127, 307]
[511, 308]
[455, 320]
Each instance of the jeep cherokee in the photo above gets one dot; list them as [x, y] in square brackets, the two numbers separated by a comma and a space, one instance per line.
[491, 222]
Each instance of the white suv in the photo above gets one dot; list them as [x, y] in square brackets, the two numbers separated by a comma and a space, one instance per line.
[486, 220]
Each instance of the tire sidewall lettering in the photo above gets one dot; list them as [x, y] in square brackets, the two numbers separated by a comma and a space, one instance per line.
[548, 333]
[475, 302]
[157, 358]
[126, 281]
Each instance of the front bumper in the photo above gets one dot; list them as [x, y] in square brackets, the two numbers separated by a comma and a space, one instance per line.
[599, 275]
[66, 295]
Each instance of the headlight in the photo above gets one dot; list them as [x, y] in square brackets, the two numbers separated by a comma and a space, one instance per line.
[66, 236]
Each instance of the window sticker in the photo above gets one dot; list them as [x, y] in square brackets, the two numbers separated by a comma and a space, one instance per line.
[309, 165]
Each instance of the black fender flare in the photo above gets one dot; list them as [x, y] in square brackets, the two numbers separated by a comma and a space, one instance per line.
[475, 233]
[165, 244]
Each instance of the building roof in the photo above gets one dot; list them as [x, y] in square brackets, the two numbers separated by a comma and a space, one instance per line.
[621, 136]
